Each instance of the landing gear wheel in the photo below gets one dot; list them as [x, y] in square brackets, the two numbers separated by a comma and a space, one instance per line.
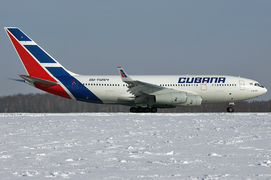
[230, 109]
[147, 109]
[153, 110]
[143, 110]
[133, 109]
[140, 109]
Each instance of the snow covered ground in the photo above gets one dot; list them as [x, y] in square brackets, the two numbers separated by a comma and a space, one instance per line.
[135, 146]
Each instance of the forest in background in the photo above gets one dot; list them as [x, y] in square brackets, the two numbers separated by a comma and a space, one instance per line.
[47, 103]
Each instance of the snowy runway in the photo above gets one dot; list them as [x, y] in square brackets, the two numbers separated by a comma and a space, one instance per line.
[135, 146]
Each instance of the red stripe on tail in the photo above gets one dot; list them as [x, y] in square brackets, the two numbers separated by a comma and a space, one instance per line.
[31, 65]
[34, 69]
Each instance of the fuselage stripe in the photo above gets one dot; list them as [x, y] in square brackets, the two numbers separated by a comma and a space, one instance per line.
[76, 88]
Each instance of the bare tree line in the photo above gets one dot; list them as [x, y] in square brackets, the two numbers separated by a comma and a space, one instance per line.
[47, 103]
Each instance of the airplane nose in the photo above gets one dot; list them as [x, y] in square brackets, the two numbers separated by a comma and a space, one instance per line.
[264, 91]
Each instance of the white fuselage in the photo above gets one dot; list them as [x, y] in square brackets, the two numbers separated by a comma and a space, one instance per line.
[212, 88]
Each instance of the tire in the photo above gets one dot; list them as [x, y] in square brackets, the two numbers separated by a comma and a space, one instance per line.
[133, 110]
[230, 109]
[147, 109]
[140, 109]
[153, 110]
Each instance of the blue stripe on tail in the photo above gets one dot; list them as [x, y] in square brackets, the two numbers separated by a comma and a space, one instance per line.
[78, 90]
[39, 54]
[20, 36]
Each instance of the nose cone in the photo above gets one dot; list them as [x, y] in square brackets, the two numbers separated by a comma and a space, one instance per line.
[265, 90]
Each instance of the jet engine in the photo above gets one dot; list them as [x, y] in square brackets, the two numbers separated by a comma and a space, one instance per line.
[192, 100]
[171, 98]
[176, 98]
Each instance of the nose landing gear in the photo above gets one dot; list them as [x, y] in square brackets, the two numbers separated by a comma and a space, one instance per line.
[230, 108]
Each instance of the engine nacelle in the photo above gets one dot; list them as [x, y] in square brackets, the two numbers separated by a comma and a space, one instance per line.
[170, 98]
[192, 100]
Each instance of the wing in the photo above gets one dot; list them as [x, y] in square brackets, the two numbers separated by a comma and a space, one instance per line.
[138, 88]
[150, 94]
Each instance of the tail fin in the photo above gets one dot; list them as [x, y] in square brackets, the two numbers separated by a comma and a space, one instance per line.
[33, 57]
[40, 66]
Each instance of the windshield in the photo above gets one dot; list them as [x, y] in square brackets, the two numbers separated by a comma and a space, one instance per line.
[258, 84]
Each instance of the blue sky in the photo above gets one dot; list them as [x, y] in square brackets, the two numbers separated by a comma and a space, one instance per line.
[145, 37]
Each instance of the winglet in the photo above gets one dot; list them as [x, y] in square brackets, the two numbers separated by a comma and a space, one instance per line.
[124, 76]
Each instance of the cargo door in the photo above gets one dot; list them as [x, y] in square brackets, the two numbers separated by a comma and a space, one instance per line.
[219, 96]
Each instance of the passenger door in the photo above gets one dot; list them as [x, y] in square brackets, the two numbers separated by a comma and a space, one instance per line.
[242, 85]
[203, 86]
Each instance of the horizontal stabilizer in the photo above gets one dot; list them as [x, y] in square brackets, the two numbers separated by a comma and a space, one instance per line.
[32, 80]
[20, 80]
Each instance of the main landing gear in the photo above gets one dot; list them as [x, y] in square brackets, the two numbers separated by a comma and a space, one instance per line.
[143, 109]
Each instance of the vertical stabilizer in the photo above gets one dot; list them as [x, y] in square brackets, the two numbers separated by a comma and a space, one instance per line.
[38, 63]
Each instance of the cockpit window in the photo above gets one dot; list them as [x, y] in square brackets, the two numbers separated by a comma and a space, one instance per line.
[258, 84]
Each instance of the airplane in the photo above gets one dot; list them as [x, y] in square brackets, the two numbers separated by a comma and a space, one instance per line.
[142, 93]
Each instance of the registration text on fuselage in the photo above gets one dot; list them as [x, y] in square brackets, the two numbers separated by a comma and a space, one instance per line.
[98, 79]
